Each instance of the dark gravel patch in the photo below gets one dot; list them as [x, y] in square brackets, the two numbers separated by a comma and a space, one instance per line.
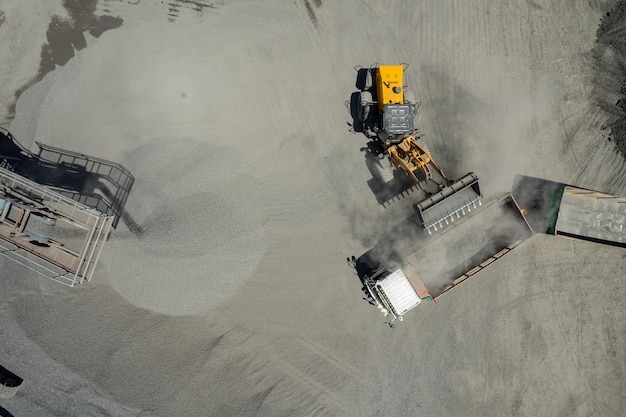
[610, 79]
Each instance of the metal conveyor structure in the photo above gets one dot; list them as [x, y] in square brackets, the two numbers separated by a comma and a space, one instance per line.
[48, 232]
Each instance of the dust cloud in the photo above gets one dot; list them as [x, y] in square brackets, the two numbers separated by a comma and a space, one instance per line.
[457, 250]
[484, 134]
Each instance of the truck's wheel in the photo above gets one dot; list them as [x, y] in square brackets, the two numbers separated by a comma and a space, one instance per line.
[365, 103]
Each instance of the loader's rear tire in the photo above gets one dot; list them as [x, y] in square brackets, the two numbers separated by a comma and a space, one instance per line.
[383, 171]
[365, 103]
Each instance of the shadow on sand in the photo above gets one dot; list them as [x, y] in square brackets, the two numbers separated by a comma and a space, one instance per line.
[5, 413]
[97, 183]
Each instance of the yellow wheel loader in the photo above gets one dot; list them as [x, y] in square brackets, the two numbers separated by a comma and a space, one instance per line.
[387, 110]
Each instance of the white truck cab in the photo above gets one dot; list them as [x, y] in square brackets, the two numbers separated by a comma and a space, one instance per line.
[391, 290]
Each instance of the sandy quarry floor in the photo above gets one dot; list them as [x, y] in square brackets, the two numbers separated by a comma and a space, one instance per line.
[251, 191]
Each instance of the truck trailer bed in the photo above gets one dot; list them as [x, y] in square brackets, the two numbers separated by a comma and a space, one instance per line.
[461, 251]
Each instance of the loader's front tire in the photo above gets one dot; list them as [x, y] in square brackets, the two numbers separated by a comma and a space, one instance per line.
[383, 171]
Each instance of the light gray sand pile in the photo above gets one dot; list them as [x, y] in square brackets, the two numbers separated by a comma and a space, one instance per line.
[202, 229]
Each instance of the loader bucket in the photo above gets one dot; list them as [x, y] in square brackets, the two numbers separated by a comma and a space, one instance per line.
[450, 203]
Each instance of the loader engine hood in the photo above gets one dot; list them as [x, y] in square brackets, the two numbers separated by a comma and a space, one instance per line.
[398, 119]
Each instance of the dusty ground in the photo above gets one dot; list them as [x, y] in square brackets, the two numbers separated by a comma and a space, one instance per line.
[234, 298]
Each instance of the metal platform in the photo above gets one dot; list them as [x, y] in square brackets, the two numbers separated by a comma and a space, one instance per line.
[49, 233]
[108, 183]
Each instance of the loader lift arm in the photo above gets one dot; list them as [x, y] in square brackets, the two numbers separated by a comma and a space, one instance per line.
[411, 157]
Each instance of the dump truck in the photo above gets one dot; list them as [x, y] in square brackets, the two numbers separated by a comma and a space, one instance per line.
[387, 111]
[405, 269]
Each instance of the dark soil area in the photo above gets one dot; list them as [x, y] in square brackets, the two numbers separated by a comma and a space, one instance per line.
[610, 60]
[65, 36]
